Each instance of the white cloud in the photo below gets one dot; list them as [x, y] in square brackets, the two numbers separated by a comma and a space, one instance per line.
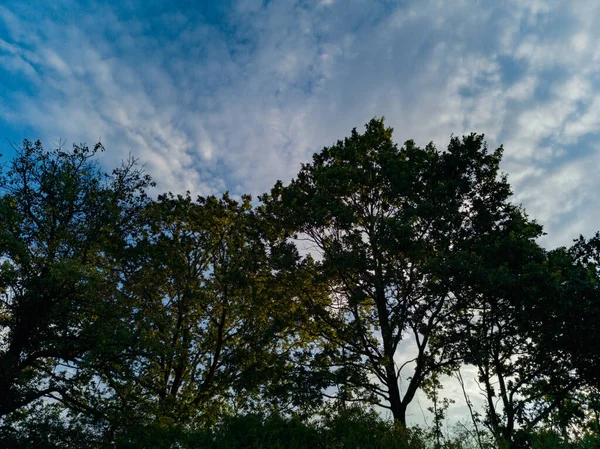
[239, 107]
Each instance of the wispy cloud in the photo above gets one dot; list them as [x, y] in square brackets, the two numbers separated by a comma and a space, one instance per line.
[239, 101]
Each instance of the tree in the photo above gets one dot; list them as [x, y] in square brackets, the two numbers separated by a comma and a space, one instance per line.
[503, 273]
[530, 313]
[389, 225]
[63, 225]
[214, 319]
[572, 322]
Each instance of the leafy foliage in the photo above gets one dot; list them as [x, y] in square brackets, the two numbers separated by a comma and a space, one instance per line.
[128, 321]
[393, 227]
[62, 228]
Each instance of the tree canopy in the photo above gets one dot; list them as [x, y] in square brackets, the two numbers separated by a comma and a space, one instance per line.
[135, 321]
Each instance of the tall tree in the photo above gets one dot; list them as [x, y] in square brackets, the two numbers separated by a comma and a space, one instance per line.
[529, 316]
[504, 272]
[388, 224]
[63, 224]
[574, 320]
[213, 315]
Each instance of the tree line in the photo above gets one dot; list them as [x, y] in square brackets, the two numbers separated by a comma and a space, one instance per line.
[133, 321]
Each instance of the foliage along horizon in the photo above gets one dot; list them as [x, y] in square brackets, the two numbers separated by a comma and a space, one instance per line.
[174, 314]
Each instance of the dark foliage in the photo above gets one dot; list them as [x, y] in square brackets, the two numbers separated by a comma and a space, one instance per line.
[133, 322]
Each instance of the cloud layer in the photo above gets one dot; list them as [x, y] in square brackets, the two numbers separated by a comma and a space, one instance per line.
[238, 97]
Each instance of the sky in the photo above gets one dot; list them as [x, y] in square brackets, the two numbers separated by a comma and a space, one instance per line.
[233, 95]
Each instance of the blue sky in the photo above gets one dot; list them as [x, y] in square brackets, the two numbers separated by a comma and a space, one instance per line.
[234, 95]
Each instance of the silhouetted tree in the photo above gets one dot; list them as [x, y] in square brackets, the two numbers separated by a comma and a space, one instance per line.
[390, 225]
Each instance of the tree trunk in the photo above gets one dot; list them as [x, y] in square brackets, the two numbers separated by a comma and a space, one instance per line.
[397, 407]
